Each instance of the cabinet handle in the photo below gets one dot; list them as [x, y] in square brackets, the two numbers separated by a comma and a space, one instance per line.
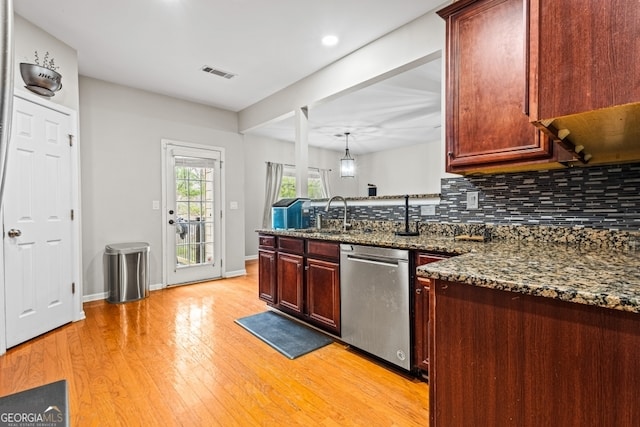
[450, 154]
[419, 291]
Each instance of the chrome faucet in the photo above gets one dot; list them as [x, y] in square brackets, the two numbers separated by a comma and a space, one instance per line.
[344, 221]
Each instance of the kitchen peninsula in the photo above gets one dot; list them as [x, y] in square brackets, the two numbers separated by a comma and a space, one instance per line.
[535, 327]
[536, 335]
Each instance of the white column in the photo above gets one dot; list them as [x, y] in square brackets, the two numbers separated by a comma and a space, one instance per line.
[302, 151]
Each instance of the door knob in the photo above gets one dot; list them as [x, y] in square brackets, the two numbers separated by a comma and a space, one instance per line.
[171, 222]
[14, 233]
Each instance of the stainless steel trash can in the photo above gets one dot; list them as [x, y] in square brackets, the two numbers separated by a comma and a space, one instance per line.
[126, 273]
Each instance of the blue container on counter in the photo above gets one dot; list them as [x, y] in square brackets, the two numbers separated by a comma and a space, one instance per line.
[290, 213]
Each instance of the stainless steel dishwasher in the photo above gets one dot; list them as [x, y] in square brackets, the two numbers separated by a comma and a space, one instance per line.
[374, 293]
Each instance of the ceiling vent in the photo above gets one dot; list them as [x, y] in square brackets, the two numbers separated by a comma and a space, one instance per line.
[217, 72]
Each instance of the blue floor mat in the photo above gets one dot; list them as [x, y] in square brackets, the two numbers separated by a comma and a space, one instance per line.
[285, 335]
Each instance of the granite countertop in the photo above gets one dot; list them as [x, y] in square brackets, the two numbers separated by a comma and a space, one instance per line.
[593, 276]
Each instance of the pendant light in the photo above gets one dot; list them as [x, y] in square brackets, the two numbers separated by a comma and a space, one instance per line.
[347, 163]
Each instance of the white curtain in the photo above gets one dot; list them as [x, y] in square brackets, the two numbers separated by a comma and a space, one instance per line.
[324, 181]
[271, 190]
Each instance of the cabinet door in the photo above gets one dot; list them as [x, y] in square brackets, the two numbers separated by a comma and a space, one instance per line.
[487, 124]
[422, 323]
[323, 294]
[586, 55]
[422, 310]
[290, 282]
[267, 280]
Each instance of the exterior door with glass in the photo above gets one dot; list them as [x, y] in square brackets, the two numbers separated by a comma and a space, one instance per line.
[193, 214]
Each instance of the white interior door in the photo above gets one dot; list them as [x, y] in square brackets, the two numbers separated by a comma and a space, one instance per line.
[38, 263]
[193, 215]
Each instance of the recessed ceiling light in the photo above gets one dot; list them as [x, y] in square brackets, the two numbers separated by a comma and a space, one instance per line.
[330, 40]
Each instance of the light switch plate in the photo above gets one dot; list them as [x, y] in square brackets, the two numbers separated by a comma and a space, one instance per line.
[472, 200]
[233, 205]
[155, 205]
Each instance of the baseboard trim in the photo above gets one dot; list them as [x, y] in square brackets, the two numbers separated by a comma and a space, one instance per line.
[95, 297]
[104, 295]
[235, 273]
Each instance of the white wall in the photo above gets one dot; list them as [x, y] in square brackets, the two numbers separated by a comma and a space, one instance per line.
[121, 133]
[121, 129]
[407, 170]
[258, 151]
[27, 39]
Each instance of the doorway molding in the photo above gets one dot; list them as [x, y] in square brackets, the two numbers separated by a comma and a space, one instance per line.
[165, 145]
[76, 224]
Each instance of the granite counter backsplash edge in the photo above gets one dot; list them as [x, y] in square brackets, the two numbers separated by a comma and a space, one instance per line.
[577, 235]
[569, 294]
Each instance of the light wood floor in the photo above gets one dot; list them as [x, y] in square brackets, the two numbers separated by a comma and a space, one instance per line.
[178, 358]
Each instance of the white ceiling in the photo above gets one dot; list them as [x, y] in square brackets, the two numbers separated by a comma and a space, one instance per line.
[400, 111]
[161, 46]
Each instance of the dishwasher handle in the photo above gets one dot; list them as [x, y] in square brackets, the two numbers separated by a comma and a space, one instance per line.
[375, 260]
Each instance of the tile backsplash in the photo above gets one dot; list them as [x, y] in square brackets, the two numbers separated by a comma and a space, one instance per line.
[600, 197]
[606, 197]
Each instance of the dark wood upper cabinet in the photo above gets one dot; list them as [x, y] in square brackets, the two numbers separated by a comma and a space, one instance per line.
[569, 68]
[486, 86]
[584, 55]
[585, 75]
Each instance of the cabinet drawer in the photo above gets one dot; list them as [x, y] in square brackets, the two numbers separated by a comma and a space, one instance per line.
[291, 244]
[267, 241]
[423, 258]
[323, 249]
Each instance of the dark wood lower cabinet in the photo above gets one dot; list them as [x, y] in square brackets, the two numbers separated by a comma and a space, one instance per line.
[267, 279]
[302, 278]
[323, 294]
[422, 325]
[506, 359]
[422, 314]
[290, 282]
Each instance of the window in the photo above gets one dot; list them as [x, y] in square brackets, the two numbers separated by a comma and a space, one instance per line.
[288, 186]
